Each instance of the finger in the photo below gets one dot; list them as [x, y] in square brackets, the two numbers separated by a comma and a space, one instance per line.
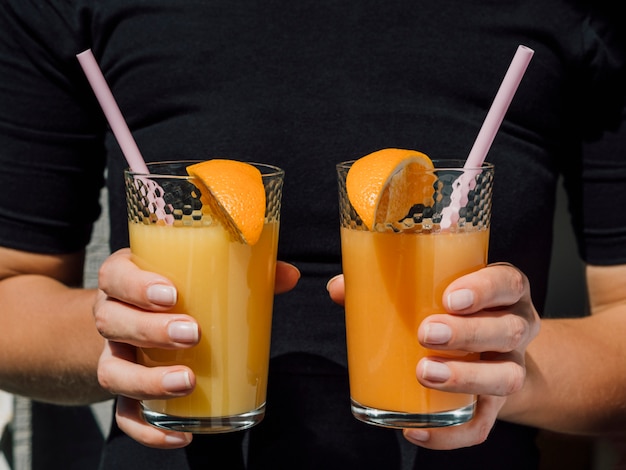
[129, 419]
[502, 375]
[287, 276]
[121, 279]
[120, 375]
[494, 330]
[496, 285]
[336, 289]
[469, 434]
[121, 322]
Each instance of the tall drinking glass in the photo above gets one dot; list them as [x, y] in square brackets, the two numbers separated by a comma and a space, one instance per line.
[395, 275]
[226, 285]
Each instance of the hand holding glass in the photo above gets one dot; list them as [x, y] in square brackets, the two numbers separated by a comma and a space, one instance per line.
[395, 276]
[225, 284]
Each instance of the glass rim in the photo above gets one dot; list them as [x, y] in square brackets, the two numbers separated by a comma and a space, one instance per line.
[454, 164]
[267, 170]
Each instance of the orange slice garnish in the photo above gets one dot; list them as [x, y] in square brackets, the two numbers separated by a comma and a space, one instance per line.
[237, 196]
[384, 185]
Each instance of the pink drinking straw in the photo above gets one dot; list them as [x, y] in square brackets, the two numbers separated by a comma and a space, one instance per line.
[112, 112]
[121, 131]
[499, 107]
[488, 131]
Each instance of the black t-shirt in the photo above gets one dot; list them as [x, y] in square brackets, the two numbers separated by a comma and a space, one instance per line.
[304, 85]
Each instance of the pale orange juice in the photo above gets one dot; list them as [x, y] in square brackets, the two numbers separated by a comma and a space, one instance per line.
[228, 287]
[393, 281]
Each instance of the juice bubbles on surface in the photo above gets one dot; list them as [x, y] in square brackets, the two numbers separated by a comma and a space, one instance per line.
[393, 281]
[227, 286]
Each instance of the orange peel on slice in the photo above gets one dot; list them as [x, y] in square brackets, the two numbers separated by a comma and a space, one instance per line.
[237, 196]
[383, 185]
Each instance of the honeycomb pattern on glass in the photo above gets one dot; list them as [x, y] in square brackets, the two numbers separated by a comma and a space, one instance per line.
[159, 198]
[474, 212]
[273, 193]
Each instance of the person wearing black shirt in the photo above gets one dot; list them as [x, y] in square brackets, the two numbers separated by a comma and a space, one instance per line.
[304, 85]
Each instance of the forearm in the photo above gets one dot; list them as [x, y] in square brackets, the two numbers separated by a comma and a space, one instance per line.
[575, 377]
[50, 347]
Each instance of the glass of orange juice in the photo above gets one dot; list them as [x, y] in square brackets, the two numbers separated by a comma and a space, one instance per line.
[395, 274]
[224, 281]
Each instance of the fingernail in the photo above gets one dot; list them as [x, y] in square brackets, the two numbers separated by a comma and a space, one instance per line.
[176, 381]
[417, 435]
[460, 299]
[161, 294]
[183, 331]
[178, 439]
[437, 333]
[331, 280]
[435, 371]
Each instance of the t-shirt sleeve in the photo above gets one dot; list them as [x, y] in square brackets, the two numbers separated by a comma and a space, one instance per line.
[51, 150]
[598, 187]
[603, 236]
[596, 184]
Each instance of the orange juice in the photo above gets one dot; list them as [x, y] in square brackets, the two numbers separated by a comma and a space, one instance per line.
[228, 287]
[393, 281]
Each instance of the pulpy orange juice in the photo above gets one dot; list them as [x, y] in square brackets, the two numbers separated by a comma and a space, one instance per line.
[227, 286]
[393, 281]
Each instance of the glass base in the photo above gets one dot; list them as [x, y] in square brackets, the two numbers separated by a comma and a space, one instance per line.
[205, 424]
[399, 420]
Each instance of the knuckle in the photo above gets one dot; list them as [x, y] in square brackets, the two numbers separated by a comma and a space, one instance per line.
[104, 274]
[103, 375]
[101, 327]
[468, 377]
[466, 333]
[101, 324]
[488, 283]
[517, 281]
[149, 329]
[518, 332]
[517, 376]
[483, 433]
